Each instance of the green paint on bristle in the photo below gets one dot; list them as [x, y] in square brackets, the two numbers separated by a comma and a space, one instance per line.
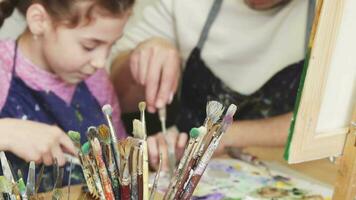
[86, 148]
[74, 136]
[194, 133]
[21, 185]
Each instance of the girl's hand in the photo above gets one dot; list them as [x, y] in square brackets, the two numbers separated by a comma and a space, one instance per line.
[155, 64]
[33, 141]
[157, 144]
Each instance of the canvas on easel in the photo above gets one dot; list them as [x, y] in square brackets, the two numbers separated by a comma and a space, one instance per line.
[327, 95]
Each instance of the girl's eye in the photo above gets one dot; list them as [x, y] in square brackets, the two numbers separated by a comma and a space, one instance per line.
[88, 48]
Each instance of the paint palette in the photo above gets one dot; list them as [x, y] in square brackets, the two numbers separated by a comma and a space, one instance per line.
[234, 179]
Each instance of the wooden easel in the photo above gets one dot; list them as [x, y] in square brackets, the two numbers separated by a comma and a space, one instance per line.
[345, 185]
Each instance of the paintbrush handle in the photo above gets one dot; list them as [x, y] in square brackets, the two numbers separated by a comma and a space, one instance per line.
[179, 169]
[140, 186]
[125, 192]
[96, 177]
[183, 179]
[192, 184]
[112, 169]
[145, 171]
[200, 168]
[87, 175]
[69, 158]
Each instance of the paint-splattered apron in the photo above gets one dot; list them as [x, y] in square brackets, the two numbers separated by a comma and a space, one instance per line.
[200, 85]
[46, 107]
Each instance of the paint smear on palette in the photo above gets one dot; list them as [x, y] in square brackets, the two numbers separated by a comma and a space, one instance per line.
[234, 179]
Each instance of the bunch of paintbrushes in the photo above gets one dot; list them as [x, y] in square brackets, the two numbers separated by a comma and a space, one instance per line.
[13, 187]
[115, 169]
[199, 150]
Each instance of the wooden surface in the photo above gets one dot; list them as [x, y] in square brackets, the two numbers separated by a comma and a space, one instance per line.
[321, 170]
[346, 175]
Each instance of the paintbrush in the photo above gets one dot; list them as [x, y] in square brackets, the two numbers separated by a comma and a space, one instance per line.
[171, 154]
[89, 158]
[58, 174]
[104, 137]
[88, 176]
[21, 185]
[134, 166]
[190, 162]
[133, 171]
[125, 150]
[140, 126]
[199, 170]
[6, 169]
[6, 188]
[107, 110]
[214, 110]
[140, 172]
[194, 133]
[39, 178]
[75, 137]
[31, 180]
[97, 152]
[155, 182]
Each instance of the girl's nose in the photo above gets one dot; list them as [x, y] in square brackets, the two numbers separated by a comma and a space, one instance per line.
[99, 60]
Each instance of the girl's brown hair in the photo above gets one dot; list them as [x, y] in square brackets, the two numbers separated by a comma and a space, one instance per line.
[65, 10]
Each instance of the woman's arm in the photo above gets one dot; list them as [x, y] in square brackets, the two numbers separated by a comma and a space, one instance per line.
[271, 131]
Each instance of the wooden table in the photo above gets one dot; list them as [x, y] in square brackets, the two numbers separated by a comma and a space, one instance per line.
[321, 170]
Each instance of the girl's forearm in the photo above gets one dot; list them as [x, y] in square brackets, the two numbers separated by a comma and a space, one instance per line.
[5, 131]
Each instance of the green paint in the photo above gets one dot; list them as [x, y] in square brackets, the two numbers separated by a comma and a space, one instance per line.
[296, 107]
[86, 148]
[21, 185]
[74, 136]
[79, 116]
[194, 133]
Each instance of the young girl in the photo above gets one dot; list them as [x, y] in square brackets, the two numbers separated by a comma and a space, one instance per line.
[52, 79]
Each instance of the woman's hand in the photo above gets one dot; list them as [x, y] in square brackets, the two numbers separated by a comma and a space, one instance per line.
[34, 141]
[155, 64]
[157, 144]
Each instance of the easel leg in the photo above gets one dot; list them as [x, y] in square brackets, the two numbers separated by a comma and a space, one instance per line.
[345, 186]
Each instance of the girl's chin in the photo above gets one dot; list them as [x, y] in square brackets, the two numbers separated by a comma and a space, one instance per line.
[262, 4]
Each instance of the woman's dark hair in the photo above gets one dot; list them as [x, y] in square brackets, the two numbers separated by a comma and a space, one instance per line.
[65, 10]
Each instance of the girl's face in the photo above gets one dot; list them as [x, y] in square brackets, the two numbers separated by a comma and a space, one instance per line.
[264, 4]
[76, 53]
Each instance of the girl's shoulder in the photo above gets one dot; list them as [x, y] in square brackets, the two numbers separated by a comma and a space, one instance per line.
[7, 49]
[6, 62]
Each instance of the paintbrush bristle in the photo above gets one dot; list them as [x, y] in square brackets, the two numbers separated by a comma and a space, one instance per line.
[162, 112]
[214, 111]
[202, 130]
[142, 106]
[5, 185]
[86, 148]
[228, 118]
[138, 131]
[92, 132]
[194, 133]
[74, 136]
[107, 109]
[231, 110]
[104, 134]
